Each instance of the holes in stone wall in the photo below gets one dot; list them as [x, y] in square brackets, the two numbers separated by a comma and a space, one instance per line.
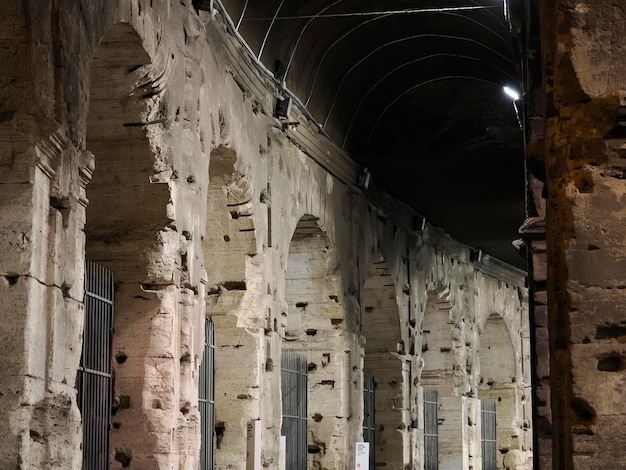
[611, 362]
[121, 357]
[314, 448]
[583, 411]
[220, 430]
[234, 285]
[611, 330]
[124, 457]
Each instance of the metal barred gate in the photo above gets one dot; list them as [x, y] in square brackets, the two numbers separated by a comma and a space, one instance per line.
[206, 397]
[294, 395]
[431, 430]
[94, 381]
[488, 431]
[369, 416]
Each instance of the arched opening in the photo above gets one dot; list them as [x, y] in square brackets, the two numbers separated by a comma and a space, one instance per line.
[126, 213]
[381, 328]
[230, 236]
[498, 384]
[442, 428]
[228, 243]
[314, 328]
[437, 346]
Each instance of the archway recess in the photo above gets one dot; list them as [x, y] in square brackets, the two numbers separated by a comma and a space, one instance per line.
[437, 346]
[381, 328]
[228, 243]
[315, 328]
[498, 383]
[126, 216]
[444, 446]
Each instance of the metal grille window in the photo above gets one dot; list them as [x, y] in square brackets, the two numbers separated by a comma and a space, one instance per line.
[488, 421]
[94, 373]
[431, 430]
[206, 397]
[294, 395]
[369, 416]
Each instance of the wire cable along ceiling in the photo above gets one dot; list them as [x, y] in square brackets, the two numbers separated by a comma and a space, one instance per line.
[411, 89]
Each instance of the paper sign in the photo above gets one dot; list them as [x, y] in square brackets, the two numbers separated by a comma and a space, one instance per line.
[362, 460]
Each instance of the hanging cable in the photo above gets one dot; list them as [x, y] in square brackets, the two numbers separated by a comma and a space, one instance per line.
[407, 11]
[243, 13]
[269, 28]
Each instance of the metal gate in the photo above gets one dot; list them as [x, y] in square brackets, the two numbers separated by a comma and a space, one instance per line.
[94, 372]
[206, 397]
[369, 416]
[294, 395]
[488, 437]
[431, 430]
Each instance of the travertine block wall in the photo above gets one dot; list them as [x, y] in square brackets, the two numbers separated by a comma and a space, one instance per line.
[582, 153]
[199, 195]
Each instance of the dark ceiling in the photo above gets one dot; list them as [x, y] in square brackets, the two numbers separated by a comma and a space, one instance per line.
[412, 89]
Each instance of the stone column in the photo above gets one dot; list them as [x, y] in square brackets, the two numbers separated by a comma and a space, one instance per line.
[586, 248]
[41, 284]
[534, 234]
[459, 433]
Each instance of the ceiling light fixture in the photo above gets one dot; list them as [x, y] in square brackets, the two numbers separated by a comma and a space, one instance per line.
[514, 94]
[511, 92]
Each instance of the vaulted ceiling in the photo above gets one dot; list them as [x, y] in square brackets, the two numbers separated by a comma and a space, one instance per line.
[411, 89]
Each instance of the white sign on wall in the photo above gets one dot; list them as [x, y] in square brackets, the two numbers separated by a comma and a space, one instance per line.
[283, 453]
[253, 450]
[362, 460]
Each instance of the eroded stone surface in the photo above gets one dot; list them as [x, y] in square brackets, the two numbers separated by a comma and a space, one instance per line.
[201, 204]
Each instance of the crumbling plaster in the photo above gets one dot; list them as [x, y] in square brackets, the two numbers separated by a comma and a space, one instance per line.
[198, 102]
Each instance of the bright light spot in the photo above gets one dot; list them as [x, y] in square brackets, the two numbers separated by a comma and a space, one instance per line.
[511, 92]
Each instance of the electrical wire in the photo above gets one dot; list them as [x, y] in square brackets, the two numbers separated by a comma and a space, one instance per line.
[407, 11]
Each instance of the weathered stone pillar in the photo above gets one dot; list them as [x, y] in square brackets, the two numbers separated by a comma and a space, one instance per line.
[238, 396]
[459, 433]
[534, 235]
[41, 299]
[585, 72]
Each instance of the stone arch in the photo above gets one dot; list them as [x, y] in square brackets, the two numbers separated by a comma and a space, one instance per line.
[311, 287]
[230, 236]
[498, 382]
[315, 328]
[127, 208]
[381, 329]
[228, 244]
[438, 352]
[126, 232]
[440, 366]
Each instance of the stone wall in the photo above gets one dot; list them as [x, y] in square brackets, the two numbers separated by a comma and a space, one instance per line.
[582, 153]
[141, 135]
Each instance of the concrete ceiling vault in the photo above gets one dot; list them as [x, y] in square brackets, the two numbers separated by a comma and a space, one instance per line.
[412, 90]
